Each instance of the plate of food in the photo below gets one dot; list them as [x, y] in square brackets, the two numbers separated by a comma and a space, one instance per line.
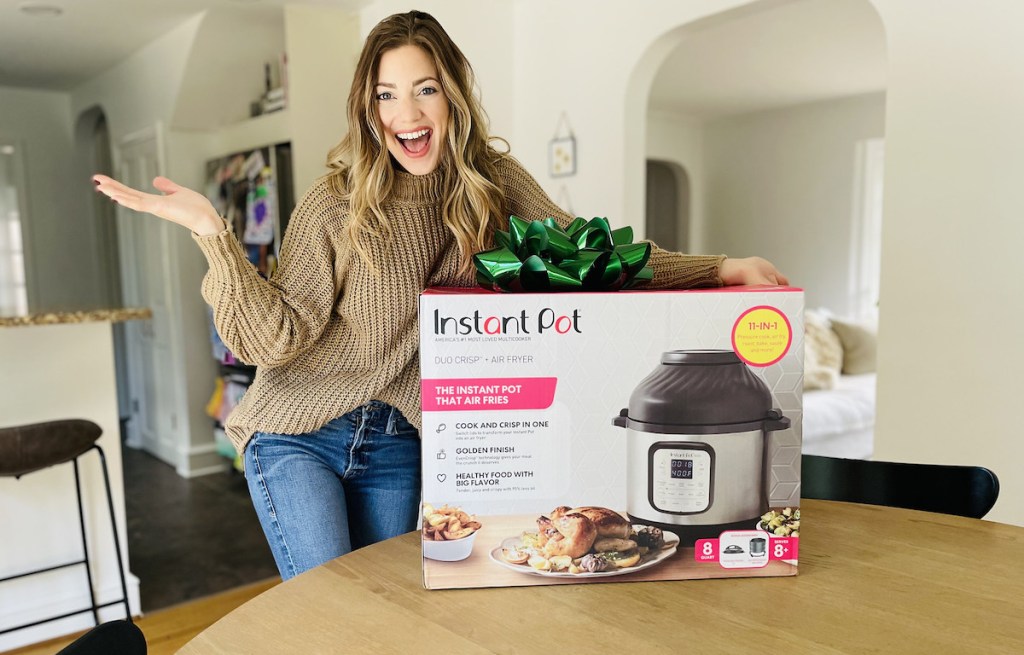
[781, 522]
[585, 542]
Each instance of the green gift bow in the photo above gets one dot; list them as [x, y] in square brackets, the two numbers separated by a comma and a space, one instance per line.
[540, 256]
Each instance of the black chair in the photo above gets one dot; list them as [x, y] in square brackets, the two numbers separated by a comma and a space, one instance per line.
[26, 449]
[960, 490]
[111, 638]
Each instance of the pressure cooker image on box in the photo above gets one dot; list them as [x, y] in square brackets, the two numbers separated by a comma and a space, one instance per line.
[697, 430]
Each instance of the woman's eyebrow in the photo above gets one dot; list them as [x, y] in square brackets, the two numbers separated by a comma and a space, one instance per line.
[416, 83]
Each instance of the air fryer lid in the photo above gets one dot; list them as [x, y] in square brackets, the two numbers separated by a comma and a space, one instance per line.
[701, 388]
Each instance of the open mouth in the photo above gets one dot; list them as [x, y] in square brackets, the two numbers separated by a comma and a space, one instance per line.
[414, 144]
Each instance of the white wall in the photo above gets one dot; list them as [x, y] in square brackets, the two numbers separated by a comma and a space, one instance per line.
[586, 64]
[781, 184]
[225, 69]
[679, 139]
[62, 271]
[323, 46]
[950, 357]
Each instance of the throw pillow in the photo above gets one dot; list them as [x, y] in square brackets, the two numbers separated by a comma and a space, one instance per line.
[823, 352]
[860, 343]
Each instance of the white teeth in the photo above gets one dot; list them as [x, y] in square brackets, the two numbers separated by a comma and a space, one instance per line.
[413, 135]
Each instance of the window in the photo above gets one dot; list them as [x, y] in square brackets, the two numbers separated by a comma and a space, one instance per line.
[866, 244]
[13, 291]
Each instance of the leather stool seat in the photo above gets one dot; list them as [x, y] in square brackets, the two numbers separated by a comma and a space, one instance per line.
[28, 448]
[25, 449]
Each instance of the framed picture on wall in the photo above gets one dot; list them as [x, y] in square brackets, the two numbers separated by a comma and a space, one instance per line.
[562, 156]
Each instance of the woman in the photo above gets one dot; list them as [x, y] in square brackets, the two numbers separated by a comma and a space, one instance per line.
[329, 428]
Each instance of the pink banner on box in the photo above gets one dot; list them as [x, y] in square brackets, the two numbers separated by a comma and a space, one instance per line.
[784, 548]
[455, 394]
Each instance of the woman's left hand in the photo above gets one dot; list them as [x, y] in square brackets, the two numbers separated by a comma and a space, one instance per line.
[750, 270]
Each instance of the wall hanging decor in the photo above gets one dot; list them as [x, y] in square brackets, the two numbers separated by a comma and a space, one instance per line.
[562, 149]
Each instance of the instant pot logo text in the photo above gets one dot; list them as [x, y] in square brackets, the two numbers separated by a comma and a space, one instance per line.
[546, 321]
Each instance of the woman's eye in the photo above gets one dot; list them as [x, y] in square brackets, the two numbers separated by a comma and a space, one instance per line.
[384, 95]
[428, 91]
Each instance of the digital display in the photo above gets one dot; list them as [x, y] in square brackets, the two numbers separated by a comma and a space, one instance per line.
[682, 469]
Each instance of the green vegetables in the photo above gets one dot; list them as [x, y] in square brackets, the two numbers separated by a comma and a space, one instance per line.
[781, 523]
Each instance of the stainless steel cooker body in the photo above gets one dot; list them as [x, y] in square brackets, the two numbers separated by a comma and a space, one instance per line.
[695, 479]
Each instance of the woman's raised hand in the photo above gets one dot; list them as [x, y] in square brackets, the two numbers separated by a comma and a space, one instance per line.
[177, 204]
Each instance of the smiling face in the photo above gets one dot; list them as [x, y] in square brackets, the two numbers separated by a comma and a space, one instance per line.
[413, 108]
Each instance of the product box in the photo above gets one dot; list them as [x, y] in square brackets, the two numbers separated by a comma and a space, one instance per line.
[628, 436]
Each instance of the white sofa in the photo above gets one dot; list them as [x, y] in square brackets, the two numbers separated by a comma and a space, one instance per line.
[839, 386]
[840, 422]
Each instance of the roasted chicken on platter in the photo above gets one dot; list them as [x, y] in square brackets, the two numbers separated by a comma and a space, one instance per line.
[584, 540]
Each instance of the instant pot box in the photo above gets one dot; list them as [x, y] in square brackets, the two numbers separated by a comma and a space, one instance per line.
[627, 436]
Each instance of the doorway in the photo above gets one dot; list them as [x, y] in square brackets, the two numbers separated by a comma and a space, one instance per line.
[93, 155]
[668, 205]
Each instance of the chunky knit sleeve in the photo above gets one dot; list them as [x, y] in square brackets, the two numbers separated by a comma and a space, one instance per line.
[525, 198]
[269, 322]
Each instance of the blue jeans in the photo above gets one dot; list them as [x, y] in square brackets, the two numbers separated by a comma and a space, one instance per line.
[353, 482]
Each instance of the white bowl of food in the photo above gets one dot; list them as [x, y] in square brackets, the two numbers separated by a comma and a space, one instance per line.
[448, 533]
[449, 551]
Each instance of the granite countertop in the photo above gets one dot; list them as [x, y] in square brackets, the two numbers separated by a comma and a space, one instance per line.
[54, 318]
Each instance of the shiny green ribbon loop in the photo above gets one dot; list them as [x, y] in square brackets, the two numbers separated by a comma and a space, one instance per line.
[535, 256]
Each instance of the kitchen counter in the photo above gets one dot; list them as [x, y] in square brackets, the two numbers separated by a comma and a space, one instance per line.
[55, 366]
[90, 316]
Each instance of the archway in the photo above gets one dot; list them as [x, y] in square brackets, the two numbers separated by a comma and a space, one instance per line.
[766, 106]
[770, 117]
[93, 155]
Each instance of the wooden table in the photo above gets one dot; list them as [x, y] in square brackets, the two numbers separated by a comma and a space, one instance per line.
[872, 579]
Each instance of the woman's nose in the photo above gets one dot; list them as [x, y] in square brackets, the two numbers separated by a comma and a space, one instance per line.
[408, 109]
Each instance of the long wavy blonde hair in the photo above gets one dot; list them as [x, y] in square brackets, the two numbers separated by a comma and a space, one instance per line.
[360, 166]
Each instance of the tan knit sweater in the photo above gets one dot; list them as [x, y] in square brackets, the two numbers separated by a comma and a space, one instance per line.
[326, 333]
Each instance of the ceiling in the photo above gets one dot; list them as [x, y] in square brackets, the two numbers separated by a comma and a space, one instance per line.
[91, 36]
[802, 51]
[797, 52]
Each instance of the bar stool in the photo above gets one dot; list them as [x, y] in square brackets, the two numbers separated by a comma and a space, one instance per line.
[29, 448]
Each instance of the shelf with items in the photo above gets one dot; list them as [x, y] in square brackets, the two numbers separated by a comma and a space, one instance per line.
[253, 191]
[231, 383]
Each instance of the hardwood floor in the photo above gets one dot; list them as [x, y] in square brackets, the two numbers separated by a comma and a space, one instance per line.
[169, 629]
[190, 538]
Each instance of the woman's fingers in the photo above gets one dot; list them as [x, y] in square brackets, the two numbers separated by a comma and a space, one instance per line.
[131, 198]
[120, 193]
[109, 186]
[751, 270]
[165, 185]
